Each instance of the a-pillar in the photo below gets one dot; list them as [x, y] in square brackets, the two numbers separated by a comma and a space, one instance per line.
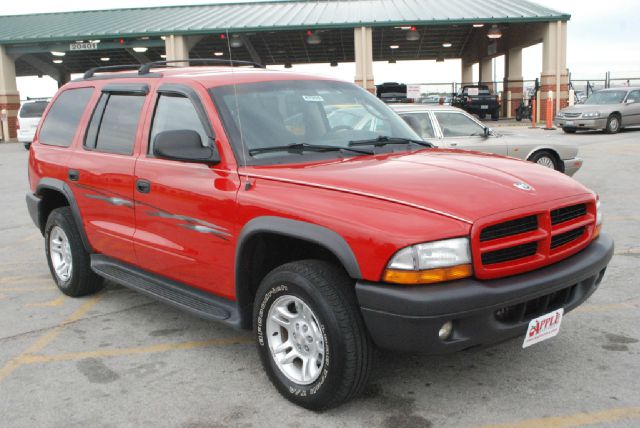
[513, 78]
[9, 97]
[466, 72]
[176, 48]
[555, 76]
[363, 40]
[486, 72]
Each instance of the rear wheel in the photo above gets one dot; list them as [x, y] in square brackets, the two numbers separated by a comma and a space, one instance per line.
[27, 146]
[546, 159]
[495, 115]
[613, 124]
[482, 115]
[68, 260]
[310, 334]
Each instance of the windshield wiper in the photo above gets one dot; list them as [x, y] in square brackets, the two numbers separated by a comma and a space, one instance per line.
[383, 140]
[301, 147]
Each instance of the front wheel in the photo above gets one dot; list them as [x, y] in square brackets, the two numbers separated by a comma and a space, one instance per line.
[613, 124]
[545, 159]
[569, 130]
[310, 334]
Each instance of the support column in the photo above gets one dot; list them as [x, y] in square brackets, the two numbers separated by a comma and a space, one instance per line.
[176, 47]
[555, 76]
[9, 97]
[513, 77]
[363, 40]
[486, 72]
[466, 72]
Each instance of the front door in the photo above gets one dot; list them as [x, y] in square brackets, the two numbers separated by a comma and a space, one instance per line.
[460, 131]
[101, 175]
[185, 211]
[631, 110]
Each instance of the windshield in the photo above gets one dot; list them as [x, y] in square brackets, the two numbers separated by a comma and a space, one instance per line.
[33, 109]
[606, 97]
[309, 112]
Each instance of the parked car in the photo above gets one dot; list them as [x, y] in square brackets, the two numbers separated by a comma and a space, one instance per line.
[392, 92]
[478, 99]
[450, 127]
[229, 195]
[608, 109]
[28, 118]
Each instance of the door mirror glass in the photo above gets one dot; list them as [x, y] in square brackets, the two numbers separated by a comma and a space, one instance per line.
[488, 132]
[183, 145]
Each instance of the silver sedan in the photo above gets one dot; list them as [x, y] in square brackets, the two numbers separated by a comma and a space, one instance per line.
[451, 127]
[608, 109]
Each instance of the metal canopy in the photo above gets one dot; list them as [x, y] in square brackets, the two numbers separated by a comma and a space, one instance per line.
[264, 16]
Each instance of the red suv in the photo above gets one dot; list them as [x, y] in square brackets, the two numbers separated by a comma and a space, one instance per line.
[305, 209]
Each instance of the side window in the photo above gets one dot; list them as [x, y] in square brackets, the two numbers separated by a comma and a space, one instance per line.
[635, 96]
[458, 125]
[175, 112]
[62, 121]
[114, 123]
[421, 123]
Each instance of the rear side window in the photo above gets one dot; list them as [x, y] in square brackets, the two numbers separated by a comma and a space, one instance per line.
[61, 122]
[33, 110]
[114, 123]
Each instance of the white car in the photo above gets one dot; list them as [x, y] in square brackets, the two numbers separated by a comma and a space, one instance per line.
[28, 119]
[453, 128]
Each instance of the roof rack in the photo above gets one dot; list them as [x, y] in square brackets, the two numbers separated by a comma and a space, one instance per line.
[89, 73]
[145, 68]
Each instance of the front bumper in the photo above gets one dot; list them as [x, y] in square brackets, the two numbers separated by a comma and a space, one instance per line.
[600, 123]
[571, 166]
[483, 312]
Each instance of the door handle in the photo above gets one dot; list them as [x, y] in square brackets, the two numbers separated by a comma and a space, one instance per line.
[143, 186]
[74, 174]
[454, 144]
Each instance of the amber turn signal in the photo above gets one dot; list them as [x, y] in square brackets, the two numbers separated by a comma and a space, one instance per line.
[596, 232]
[429, 276]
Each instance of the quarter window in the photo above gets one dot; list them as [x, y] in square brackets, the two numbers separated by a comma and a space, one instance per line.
[458, 125]
[175, 112]
[634, 95]
[62, 121]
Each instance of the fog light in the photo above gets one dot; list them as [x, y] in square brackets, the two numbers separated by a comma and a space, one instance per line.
[445, 330]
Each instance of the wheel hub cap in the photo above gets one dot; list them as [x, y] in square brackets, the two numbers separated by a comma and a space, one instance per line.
[60, 254]
[545, 161]
[295, 339]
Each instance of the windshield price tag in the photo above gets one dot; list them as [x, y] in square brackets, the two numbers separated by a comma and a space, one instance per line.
[313, 98]
[543, 328]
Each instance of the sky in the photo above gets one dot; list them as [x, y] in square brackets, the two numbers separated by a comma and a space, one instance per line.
[602, 36]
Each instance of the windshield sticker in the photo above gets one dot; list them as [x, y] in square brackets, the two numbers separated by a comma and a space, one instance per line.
[313, 98]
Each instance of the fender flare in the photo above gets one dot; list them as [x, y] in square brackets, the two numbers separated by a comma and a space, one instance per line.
[63, 188]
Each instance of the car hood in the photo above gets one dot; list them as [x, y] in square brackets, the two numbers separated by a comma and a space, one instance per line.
[462, 185]
[589, 108]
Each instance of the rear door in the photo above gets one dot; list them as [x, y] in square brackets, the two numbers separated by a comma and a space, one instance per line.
[632, 110]
[185, 211]
[422, 123]
[101, 172]
[460, 131]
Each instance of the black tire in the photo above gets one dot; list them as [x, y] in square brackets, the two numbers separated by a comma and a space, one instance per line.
[569, 130]
[542, 155]
[329, 293]
[518, 116]
[495, 115]
[613, 124]
[482, 115]
[27, 146]
[82, 280]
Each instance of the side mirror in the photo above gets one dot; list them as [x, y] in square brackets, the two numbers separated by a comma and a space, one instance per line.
[183, 145]
[488, 132]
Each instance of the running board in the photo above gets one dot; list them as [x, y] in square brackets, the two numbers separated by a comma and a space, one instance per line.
[195, 301]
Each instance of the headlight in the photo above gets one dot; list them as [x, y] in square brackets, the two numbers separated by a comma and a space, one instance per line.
[430, 262]
[560, 115]
[596, 232]
[594, 114]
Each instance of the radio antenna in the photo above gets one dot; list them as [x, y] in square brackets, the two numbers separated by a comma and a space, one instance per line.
[235, 94]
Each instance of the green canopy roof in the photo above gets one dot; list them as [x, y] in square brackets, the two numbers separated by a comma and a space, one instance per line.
[264, 16]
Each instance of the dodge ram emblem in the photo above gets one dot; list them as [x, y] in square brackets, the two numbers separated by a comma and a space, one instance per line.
[523, 186]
